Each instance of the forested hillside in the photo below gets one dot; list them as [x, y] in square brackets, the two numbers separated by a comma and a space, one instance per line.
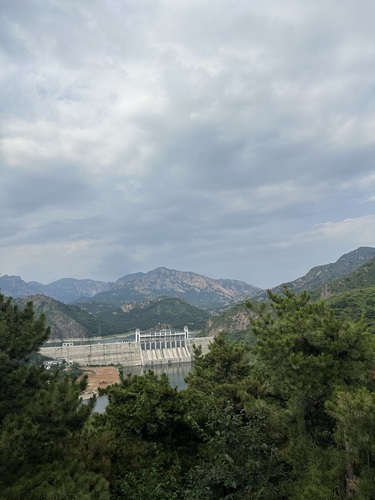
[356, 304]
[297, 422]
[320, 275]
[235, 322]
[174, 312]
[67, 321]
[363, 277]
[351, 296]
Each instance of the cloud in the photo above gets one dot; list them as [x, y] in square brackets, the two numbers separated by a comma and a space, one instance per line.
[194, 135]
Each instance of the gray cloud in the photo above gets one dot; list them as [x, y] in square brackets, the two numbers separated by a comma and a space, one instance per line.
[232, 140]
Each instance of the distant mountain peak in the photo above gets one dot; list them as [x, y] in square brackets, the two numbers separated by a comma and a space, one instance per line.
[320, 275]
[196, 289]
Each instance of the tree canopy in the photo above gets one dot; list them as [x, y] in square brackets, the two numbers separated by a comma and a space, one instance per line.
[290, 418]
[41, 418]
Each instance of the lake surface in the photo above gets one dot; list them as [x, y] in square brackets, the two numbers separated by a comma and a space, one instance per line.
[176, 374]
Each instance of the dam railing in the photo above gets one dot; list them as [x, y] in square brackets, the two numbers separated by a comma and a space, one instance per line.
[149, 349]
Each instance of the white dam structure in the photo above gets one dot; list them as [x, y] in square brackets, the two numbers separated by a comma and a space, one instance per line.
[148, 349]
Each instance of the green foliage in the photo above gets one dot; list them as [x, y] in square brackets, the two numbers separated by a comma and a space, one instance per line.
[75, 371]
[234, 322]
[310, 347]
[152, 482]
[363, 277]
[355, 305]
[224, 363]
[209, 442]
[353, 411]
[150, 430]
[146, 407]
[237, 458]
[168, 310]
[41, 418]
[21, 334]
[224, 372]
[295, 421]
[306, 356]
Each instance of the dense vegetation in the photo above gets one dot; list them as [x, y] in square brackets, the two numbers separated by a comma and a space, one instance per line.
[43, 454]
[144, 315]
[362, 278]
[320, 275]
[91, 319]
[353, 296]
[234, 322]
[356, 304]
[296, 423]
[65, 320]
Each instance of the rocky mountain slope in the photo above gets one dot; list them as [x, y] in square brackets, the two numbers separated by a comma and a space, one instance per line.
[320, 275]
[234, 322]
[350, 272]
[67, 321]
[363, 277]
[64, 320]
[353, 296]
[65, 290]
[198, 290]
[167, 296]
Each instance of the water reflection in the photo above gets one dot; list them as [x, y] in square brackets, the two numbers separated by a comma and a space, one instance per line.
[175, 372]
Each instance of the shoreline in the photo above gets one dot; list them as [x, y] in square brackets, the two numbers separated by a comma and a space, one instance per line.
[98, 376]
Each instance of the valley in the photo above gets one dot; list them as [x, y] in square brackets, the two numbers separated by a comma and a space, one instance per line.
[165, 298]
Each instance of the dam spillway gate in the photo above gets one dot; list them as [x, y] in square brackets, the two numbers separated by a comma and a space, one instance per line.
[164, 347]
[148, 349]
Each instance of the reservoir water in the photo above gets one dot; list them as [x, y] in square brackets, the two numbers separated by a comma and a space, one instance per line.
[176, 374]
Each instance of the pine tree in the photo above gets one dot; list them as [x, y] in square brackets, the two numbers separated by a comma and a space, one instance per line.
[306, 357]
[41, 418]
[21, 335]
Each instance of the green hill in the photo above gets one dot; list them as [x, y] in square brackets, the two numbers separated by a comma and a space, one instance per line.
[356, 305]
[351, 296]
[363, 277]
[234, 322]
[170, 311]
[68, 321]
[65, 321]
[320, 275]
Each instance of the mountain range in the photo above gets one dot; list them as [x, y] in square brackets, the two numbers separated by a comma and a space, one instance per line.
[348, 285]
[198, 290]
[69, 321]
[320, 275]
[82, 308]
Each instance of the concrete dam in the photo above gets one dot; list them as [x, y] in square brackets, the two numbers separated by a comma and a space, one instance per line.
[149, 349]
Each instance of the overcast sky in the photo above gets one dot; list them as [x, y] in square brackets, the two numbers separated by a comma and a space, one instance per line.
[235, 139]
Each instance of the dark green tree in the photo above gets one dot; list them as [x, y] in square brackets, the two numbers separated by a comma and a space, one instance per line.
[151, 437]
[305, 356]
[353, 411]
[237, 457]
[224, 373]
[41, 418]
[21, 335]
